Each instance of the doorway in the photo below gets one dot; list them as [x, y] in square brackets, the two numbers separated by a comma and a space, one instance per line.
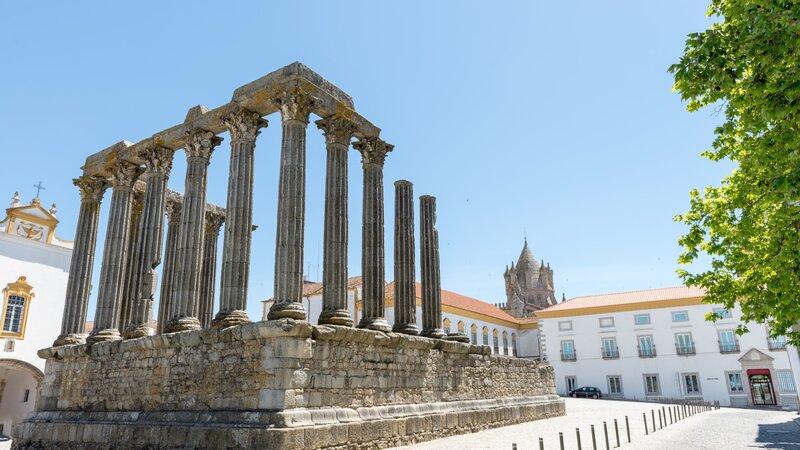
[761, 387]
[572, 384]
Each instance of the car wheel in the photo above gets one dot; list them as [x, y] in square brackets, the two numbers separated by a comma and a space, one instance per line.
[574, 395]
[595, 396]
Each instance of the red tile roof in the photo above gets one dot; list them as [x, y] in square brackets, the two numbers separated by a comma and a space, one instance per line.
[618, 299]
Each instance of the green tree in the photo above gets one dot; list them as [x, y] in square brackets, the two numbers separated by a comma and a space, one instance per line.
[747, 65]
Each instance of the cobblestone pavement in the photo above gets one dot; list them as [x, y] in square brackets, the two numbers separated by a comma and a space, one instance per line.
[726, 428]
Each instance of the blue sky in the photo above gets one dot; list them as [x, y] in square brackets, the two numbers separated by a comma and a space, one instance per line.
[554, 119]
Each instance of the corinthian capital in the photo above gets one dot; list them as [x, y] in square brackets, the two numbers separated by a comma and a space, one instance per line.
[201, 143]
[157, 159]
[92, 188]
[337, 129]
[295, 105]
[124, 174]
[244, 125]
[174, 208]
[214, 221]
[373, 150]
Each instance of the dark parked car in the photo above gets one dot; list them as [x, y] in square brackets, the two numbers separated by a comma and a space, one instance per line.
[586, 391]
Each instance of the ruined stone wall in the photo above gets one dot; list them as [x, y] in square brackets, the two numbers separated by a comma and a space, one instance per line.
[280, 365]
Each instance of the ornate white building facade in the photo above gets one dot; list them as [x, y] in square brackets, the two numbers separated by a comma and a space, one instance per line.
[656, 344]
[34, 265]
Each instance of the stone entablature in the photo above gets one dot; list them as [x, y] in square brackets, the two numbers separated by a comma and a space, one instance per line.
[292, 384]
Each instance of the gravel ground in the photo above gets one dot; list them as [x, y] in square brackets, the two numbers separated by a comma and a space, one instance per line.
[727, 428]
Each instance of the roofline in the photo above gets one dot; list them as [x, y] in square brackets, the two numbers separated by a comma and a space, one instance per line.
[635, 291]
[495, 320]
[634, 306]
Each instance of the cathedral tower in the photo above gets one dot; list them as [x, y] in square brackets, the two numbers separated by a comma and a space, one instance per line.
[529, 285]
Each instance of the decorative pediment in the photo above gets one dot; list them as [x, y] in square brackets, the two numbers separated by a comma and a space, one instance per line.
[31, 222]
[755, 355]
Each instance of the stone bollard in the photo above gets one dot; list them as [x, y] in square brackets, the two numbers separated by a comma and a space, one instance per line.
[541, 444]
[561, 440]
[605, 433]
[594, 440]
[644, 416]
[616, 431]
[628, 428]
[578, 436]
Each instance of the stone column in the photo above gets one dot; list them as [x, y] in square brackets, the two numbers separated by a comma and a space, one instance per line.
[405, 289]
[186, 283]
[112, 272]
[158, 163]
[128, 293]
[338, 132]
[244, 127]
[208, 277]
[79, 284]
[373, 153]
[429, 265]
[174, 207]
[295, 109]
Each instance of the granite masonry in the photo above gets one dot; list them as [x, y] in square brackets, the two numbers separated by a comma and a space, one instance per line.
[194, 382]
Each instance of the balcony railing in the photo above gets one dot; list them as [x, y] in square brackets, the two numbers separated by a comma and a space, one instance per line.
[569, 356]
[647, 352]
[729, 347]
[685, 349]
[610, 353]
[776, 344]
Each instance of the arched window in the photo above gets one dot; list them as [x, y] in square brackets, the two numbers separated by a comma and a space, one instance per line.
[16, 301]
[474, 332]
[496, 341]
[485, 335]
[446, 325]
[462, 328]
[514, 343]
[505, 343]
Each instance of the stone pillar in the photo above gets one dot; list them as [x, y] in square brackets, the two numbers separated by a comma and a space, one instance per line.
[112, 272]
[174, 207]
[429, 265]
[158, 163]
[79, 284]
[338, 132]
[244, 127]
[186, 283]
[373, 153]
[295, 109]
[405, 289]
[128, 293]
[208, 277]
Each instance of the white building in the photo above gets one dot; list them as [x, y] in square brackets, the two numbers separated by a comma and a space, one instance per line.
[657, 344]
[482, 322]
[34, 265]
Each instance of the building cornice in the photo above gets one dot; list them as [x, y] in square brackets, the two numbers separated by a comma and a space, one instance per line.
[633, 306]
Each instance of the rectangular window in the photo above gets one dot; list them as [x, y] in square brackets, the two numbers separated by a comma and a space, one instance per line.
[572, 383]
[610, 348]
[606, 322]
[684, 344]
[565, 325]
[646, 347]
[614, 385]
[651, 385]
[680, 316]
[735, 385]
[26, 395]
[641, 319]
[568, 351]
[777, 343]
[14, 309]
[786, 381]
[727, 342]
[722, 313]
[691, 384]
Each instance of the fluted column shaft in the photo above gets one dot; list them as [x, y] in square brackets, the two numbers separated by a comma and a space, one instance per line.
[79, 284]
[208, 277]
[173, 210]
[158, 162]
[338, 132]
[295, 109]
[373, 152]
[112, 272]
[244, 127]
[429, 265]
[405, 292]
[131, 261]
[185, 294]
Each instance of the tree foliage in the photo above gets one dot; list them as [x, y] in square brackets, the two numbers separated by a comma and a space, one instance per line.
[748, 65]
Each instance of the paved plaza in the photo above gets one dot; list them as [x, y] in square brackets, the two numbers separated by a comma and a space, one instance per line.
[726, 428]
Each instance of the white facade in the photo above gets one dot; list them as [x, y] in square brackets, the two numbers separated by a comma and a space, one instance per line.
[34, 266]
[479, 320]
[661, 346]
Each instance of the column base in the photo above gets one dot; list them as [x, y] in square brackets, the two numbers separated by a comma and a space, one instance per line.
[375, 323]
[182, 324]
[227, 319]
[336, 317]
[434, 333]
[406, 328]
[137, 331]
[69, 339]
[458, 337]
[287, 310]
[107, 335]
